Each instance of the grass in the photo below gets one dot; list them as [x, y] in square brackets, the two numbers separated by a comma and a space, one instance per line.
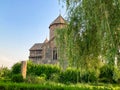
[56, 86]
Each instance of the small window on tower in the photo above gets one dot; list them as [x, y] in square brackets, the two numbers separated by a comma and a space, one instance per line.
[55, 54]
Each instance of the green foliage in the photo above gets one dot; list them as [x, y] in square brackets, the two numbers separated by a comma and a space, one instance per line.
[17, 78]
[62, 50]
[74, 76]
[116, 75]
[93, 30]
[48, 70]
[89, 76]
[34, 79]
[43, 76]
[36, 69]
[38, 73]
[30, 68]
[39, 69]
[55, 86]
[55, 77]
[106, 73]
[16, 68]
[69, 76]
[109, 74]
[5, 72]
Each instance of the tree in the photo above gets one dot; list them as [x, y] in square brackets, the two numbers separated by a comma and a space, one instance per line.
[93, 31]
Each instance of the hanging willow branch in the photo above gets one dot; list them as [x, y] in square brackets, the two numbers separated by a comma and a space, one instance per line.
[93, 31]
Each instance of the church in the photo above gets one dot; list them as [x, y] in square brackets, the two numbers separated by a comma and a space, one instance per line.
[46, 52]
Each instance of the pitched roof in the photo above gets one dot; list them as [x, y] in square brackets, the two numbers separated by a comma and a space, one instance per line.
[36, 46]
[58, 20]
[45, 43]
[46, 40]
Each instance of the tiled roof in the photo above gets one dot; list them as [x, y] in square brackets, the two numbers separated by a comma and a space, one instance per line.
[58, 20]
[37, 46]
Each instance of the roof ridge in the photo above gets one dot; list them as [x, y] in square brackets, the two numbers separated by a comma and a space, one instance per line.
[46, 40]
[59, 19]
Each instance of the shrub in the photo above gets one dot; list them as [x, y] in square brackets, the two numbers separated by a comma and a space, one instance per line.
[16, 68]
[34, 79]
[31, 68]
[55, 86]
[106, 73]
[73, 76]
[43, 76]
[55, 77]
[116, 75]
[69, 76]
[17, 78]
[5, 72]
[48, 70]
[38, 69]
[89, 76]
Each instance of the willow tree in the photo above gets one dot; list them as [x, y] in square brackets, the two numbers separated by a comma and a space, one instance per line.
[93, 30]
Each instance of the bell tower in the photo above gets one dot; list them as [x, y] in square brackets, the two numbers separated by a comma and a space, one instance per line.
[59, 22]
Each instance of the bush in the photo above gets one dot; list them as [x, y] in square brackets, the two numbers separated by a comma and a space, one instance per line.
[48, 70]
[31, 68]
[5, 72]
[55, 86]
[55, 77]
[116, 75]
[89, 76]
[16, 68]
[107, 74]
[69, 76]
[43, 76]
[39, 69]
[17, 78]
[34, 79]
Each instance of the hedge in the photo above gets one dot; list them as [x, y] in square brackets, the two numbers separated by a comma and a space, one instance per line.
[47, 86]
[107, 74]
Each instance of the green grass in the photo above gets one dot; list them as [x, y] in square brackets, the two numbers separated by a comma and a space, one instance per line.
[56, 86]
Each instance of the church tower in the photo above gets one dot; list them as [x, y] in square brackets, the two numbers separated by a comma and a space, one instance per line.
[59, 22]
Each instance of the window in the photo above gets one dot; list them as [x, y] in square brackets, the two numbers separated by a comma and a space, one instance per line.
[55, 54]
[38, 52]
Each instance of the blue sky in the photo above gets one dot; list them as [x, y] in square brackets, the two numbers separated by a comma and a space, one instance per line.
[23, 23]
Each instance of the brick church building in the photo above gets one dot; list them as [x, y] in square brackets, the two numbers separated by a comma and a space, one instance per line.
[46, 52]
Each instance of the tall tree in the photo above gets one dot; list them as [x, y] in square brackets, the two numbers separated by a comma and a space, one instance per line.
[93, 30]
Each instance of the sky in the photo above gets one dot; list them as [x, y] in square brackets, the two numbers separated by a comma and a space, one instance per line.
[22, 24]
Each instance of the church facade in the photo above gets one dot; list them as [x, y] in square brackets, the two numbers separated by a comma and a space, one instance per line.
[46, 52]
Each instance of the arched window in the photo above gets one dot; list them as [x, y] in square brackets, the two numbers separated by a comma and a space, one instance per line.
[55, 54]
